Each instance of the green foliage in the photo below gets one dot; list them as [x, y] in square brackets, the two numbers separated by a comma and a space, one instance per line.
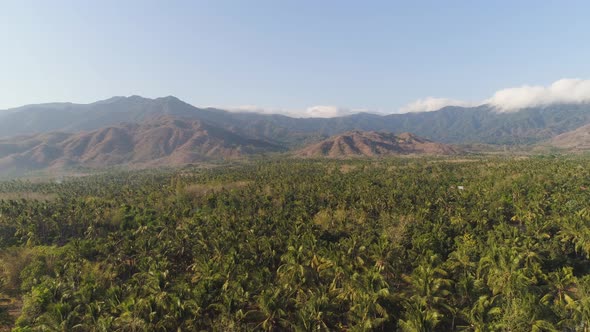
[483, 244]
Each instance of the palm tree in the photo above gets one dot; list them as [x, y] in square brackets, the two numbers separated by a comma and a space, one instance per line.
[560, 288]
[419, 319]
[426, 296]
[480, 317]
[504, 271]
[271, 311]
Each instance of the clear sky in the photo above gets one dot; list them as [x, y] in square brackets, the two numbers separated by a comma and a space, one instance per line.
[375, 55]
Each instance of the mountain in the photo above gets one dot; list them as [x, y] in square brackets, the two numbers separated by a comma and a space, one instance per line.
[461, 125]
[160, 141]
[575, 140]
[374, 144]
[69, 117]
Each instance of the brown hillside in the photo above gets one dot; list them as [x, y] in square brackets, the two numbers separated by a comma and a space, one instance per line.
[374, 144]
[158, 142]
[575, 140]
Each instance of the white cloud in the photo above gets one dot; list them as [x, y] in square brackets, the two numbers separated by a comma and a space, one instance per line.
[253, 109]
[318, 111]
[327, 111]
[432, 104]
[566, 90]
[505, 100]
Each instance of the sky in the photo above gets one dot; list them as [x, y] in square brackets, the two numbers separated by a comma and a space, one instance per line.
[298, 57]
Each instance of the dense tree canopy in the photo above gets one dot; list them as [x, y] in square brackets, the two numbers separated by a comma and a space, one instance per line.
[413, 244]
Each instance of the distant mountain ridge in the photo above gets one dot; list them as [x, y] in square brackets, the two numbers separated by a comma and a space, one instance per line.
[164, 141]
[141, 132]
[459, 125]
[70, 117]
[374, 144]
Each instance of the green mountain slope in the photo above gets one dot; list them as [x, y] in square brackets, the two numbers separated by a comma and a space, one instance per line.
[450, 125]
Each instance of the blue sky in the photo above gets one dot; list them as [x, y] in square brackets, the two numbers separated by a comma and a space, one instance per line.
[373, 55]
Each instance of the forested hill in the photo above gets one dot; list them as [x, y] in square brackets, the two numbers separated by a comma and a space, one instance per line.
[493, 244]
[481, 124]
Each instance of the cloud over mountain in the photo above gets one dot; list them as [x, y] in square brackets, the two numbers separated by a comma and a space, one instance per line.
[328, 111]
[567, 91]
[318, 111]
[574, 91]
[430, 104]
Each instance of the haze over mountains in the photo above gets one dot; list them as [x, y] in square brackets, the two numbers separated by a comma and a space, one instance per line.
[167, 131]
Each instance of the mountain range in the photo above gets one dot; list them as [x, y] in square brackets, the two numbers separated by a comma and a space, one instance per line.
[167, 131]
[161, 141]
[459, 125]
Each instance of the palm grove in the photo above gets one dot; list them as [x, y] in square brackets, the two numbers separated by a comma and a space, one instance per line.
[414, 244]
